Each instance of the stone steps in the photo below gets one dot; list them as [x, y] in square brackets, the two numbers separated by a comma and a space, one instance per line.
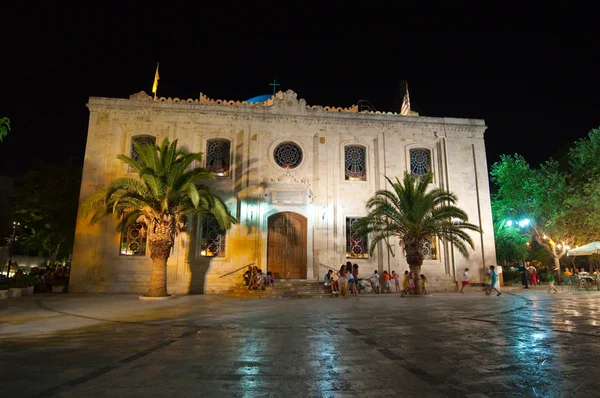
[284, 289]
[301, 288]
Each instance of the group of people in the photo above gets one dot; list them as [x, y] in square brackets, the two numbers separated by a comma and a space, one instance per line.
[582, 279]
[347, 281]
[409, 283]
[40, 277]
[255, 279]
[387, 278]
[491, 282]
[580, 272]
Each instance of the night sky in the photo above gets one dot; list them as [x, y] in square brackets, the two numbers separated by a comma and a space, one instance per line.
[532, 74]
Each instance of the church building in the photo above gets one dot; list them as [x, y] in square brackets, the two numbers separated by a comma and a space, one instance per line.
[295, 176]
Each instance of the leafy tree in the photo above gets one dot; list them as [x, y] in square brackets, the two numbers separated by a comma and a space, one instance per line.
[511, 245]
[45, 203]
[413, 213]
[540, 195]
[165, 193]
[584, 162]
[4, 127]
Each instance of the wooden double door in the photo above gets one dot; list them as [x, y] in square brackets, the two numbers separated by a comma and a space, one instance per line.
[286, 250]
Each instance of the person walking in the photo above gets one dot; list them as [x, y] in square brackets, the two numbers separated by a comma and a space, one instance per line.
[551, 283]
[494, 282]
[343, 281]
[404, 284]
[353, 280]
[465, 280]
[396, 278]
[388, 281]
[412, 277]
[374, 279]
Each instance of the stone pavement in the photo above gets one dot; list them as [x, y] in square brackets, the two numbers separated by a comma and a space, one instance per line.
[521, 344]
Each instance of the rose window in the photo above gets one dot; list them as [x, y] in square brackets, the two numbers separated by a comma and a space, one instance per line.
[288, 155]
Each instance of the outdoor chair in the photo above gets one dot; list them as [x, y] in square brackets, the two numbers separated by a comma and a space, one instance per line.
[575, 282]
[566, 282]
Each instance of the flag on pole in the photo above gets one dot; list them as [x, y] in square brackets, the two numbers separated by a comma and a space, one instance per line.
[155, 85]
[405, 109]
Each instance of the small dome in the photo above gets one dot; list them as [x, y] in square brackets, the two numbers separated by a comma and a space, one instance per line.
[260, 98]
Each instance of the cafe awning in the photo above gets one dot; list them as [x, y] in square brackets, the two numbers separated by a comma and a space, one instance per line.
[585, 250]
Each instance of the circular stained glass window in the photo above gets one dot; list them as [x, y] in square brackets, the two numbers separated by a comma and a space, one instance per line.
[288, 155]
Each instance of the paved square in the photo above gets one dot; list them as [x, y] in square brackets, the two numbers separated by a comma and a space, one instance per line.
[521, 344]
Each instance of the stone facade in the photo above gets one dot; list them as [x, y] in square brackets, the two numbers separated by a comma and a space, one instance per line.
[315, 191]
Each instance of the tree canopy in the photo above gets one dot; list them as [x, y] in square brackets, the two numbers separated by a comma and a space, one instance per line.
[562, 203]
[167, 190]
[4, 127]
[413, 211]
[45, 203]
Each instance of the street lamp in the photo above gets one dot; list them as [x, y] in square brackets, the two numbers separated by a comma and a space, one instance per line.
[12, 247]
[522, 224]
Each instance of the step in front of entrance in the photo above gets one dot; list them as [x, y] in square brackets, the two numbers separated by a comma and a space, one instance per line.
[295, 288]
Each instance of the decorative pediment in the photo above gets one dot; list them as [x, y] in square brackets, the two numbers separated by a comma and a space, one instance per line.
[141, 96]
[289, 103]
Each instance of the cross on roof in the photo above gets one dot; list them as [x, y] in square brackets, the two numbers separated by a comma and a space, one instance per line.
[274, 84]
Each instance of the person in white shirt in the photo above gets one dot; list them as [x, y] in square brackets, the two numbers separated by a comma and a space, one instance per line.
[465, 280]
[375, 282]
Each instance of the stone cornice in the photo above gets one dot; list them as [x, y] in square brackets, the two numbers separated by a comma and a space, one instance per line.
[285, 107]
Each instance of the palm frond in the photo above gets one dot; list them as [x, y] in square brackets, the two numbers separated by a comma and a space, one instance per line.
[135, 164]
[164, 189]
[413, 211]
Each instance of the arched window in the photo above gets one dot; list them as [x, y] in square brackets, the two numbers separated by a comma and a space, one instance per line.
[420, 162]
[429, 249]
[218, 156]
[356, 245]
[133, 240]
[141, 140]
[288, 155]
[212, 238]
[355, 163]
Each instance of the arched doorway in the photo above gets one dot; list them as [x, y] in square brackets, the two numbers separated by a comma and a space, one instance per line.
[286, 250]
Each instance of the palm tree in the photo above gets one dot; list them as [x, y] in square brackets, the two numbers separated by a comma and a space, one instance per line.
[162, 197]
[414, 214]
[4, 127]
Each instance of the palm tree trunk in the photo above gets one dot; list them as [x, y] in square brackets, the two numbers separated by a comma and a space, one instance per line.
[416, 269]
[414, 258]
[160, 243]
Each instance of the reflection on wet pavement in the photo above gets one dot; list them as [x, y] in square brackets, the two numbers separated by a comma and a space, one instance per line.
[526, 344]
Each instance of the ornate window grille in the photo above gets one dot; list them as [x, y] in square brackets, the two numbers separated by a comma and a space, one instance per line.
[288, 155]
[355, 163]
[218, 156]
[429, 249]
[356, 245]
[420, 162]
[133, 240]
[141, 140]
[212, 238]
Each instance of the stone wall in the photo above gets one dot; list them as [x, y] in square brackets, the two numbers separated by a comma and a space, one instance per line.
[258, 188]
